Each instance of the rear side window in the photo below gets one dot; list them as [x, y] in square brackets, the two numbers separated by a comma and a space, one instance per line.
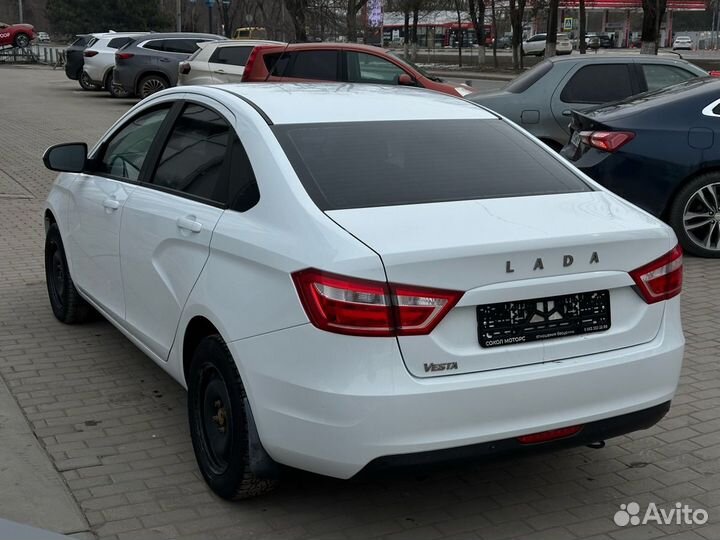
[276, 63]
[659, 76]
[116, 43]
[180, 46]
[367, 164]
[316, 65]
[234, 56]
[194, 154]
[368, 68]
[155, 45]
[527, 79]
[599, 83]
[81, 41]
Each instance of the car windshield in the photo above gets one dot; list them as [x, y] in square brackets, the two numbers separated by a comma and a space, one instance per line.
[370, 164]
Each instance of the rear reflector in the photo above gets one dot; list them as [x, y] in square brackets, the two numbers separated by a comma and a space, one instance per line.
[608, 141]
[123, 56]
[360, 307]
[662, 278]
[89, 54]
[551, 435]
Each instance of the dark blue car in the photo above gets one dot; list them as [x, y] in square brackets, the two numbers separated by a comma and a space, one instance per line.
[661, 151]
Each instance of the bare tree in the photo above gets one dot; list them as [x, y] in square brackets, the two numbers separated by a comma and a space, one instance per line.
[414, 34]
[477, 16]
[653, 12]
[297, 10]
[351, 15]
[552, 27]
[517, 12]
[495, 32]
[459, 5]
[228, 14]
[583, 25]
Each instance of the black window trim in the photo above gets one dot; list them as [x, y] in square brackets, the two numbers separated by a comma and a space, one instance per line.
[161, 140]
[100, 151]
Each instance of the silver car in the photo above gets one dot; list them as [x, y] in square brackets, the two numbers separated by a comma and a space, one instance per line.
[542, 99]
[218, 62]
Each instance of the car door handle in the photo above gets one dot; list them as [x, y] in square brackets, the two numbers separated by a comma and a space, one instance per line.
[164, 59]
[219, 71]
[111, 204]
[567, 112]
[189, 224]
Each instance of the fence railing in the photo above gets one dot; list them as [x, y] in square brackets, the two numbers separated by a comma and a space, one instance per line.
[34, 54]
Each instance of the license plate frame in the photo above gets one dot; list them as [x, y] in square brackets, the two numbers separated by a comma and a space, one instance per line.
[541, 319]
[575, 139]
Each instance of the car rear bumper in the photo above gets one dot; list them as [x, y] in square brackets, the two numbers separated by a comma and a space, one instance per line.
[334, 404]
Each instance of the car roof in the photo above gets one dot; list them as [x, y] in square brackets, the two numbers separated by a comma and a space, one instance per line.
[309, 103]
[338, 46]
[614, 56]
[185, 35]
[240, 43]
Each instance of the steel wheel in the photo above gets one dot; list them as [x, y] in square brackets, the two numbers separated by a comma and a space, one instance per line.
[150, 85]
[56, 273]
[701, 217]
[216, 419]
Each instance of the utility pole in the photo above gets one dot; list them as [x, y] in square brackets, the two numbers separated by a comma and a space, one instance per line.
[20, 11]
[210, 25]
[178, 14]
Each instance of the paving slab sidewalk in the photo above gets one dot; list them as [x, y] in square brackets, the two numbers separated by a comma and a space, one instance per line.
[31, 490]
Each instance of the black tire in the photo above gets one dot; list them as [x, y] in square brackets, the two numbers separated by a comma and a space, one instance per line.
[67, 304]
[22, 40]
[219, 423]
[86, 83]
[115, 91]
[150, 84]
[695, 215]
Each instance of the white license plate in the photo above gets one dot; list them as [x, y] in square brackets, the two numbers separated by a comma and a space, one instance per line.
[575, 139]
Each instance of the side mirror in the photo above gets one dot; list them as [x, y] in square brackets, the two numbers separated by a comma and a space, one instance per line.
[69, 157]
[406, 80]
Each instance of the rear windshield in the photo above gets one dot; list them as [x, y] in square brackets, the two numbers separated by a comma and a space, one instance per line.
[530, 77]
[368, 164]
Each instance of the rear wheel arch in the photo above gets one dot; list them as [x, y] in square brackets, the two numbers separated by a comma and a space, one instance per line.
[49, 219]
[711, 169]
[139, 79]
[197, 329]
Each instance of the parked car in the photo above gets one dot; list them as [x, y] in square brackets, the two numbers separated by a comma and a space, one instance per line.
[149, 63]
[348, 277]
[16, 35]
[602, 39]
[682, 43]
[43, 37]
[346, 62]
[504, 42]
[75, 60]
[541, 99]
[536, 45]
[659, 151]
[99, 59]
[218, 62]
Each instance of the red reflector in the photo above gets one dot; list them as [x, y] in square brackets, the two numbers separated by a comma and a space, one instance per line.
[608, 141]
[89, 54]
[551, 435]
[361, 307]
[714, 73]
[123, 55]
[662, 278]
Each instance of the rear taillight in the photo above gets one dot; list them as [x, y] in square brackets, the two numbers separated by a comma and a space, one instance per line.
[123, 55]
[184, 68]
[249, 64]
[608, 141]
[89, 54]
[714, 73]
[662, 278]
[360, 307]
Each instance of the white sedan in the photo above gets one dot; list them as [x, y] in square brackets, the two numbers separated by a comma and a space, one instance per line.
[682, 43]
[348, 277]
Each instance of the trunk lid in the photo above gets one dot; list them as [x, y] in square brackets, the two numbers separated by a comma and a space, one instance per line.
[513, 249]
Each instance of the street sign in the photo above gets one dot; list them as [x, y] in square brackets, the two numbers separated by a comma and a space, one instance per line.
[568, 23]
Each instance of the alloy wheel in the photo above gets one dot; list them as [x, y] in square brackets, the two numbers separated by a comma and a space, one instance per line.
[23, 41]
[151, 86]
[701, 217]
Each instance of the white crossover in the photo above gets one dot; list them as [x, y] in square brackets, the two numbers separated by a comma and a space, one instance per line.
[99, 59]
[347, 278]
